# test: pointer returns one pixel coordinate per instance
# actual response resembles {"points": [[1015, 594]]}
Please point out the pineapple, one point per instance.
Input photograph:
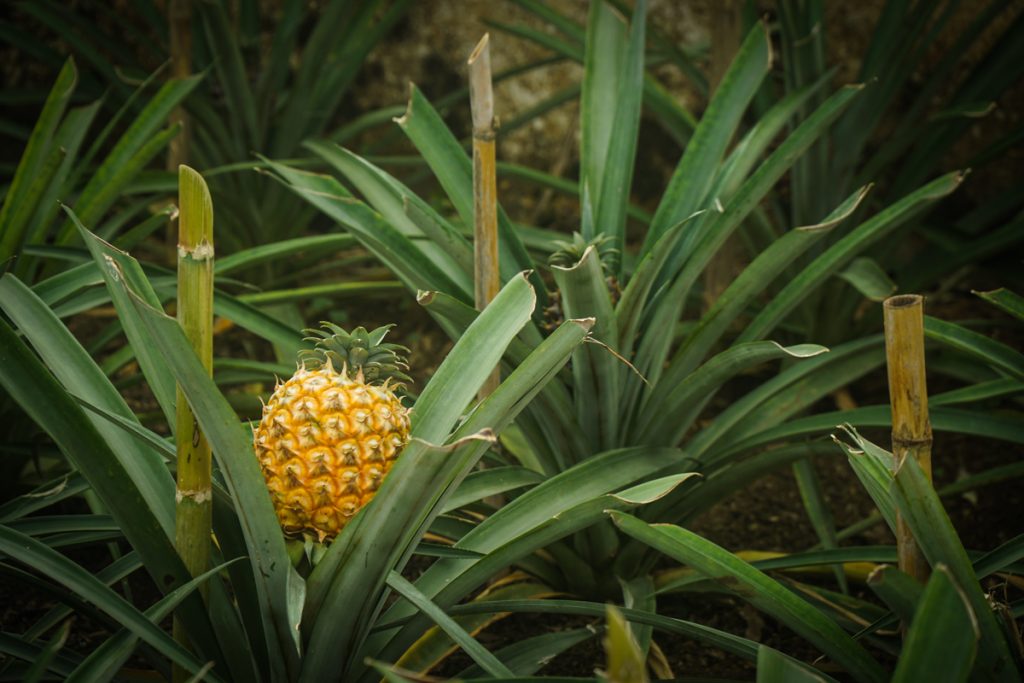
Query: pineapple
{"points": [[330, 434]]}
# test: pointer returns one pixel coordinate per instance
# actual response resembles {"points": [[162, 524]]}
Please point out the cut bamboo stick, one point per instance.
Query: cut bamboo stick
{"points": [[179, 15], [726, 36], [486, 277], [179, 21], [194, 499], [908, 396]]}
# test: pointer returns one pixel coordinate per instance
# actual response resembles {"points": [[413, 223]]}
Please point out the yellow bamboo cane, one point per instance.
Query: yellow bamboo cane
{"points": [[908, 396], [485, 188]]}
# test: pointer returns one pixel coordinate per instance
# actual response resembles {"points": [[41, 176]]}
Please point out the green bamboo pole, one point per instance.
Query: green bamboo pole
{"points": [[486, 277], [194, 495], [908, 395]]}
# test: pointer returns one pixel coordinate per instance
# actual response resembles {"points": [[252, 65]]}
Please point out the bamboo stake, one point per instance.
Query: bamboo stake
{"points": [[194, 499], [908, 395], [485, 189], [179, 21], [726, 36]]}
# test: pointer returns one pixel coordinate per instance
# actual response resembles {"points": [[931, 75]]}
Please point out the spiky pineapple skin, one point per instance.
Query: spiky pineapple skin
{"points": [[325, 443]]}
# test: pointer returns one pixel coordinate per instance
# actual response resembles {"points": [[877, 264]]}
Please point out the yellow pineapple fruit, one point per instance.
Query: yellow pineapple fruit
{"points": [[330, 433]]}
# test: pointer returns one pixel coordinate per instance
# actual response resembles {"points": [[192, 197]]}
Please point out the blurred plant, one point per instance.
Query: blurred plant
{"points": [[914, 117], [264, 90], [104, 173], [907, 127], [57, 166], [272, 75], [629, 406]]}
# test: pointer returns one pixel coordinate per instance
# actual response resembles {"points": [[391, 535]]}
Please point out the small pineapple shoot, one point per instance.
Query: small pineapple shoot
{"points": [[568, 254]]}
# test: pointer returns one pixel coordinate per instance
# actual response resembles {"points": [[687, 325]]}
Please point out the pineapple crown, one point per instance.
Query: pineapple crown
{"points": [[570, 252], [358, 352]]}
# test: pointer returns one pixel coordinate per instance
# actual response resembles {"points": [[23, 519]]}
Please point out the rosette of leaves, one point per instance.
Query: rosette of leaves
{"points": [[955, 629], [649, 380], [261, 620]]}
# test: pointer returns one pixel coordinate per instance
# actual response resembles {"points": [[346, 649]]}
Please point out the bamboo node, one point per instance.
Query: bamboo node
{"points": [[201, 252], [901, 442], [195, 495]]}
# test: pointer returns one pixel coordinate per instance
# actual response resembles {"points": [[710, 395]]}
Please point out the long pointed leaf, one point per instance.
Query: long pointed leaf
{"points": [[843, 251], [694, 176], [15, 213], [103, 663], [596, 371], [81, 376], [920, 506], [66, 572], [674, 406], [942, 640], [612, 95], [136, 147], [491, 664], [453, 169], [990, 351], [388, 196], [758, 589], [232, 446], [157, 375], [395, 250]]}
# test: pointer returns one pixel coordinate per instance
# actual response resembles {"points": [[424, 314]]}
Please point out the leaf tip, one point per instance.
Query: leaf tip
{"points": [[403, 120], [585, 323]]}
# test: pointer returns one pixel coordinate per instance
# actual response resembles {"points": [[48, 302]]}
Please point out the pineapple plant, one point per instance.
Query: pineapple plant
{"points": [[636, 403], [330, 434], [315, 621]]}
